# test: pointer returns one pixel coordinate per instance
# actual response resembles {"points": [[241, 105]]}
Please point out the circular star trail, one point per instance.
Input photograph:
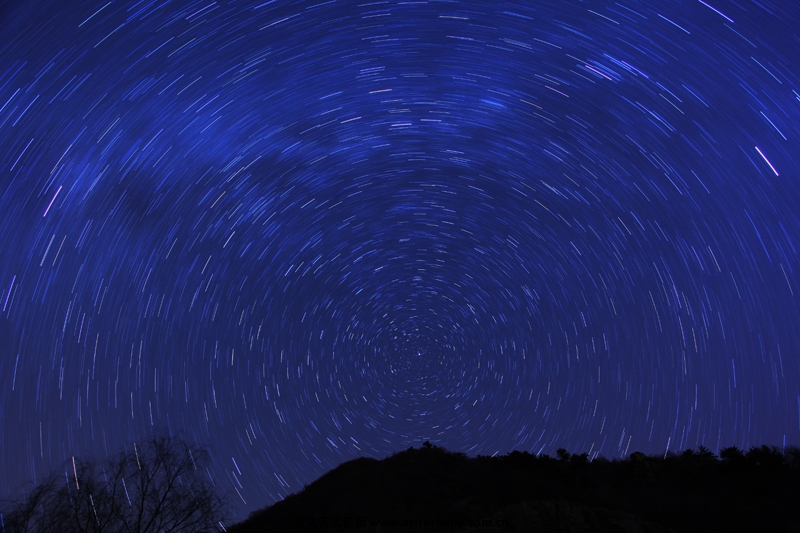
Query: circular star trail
{"points": [[301, 232]]}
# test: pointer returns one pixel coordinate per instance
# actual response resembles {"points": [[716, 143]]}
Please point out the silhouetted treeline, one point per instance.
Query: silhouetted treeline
{"points": [[432, 489]]}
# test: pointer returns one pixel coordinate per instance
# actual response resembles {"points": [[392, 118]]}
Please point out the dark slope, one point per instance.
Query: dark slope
{"points": [[431, 489]]}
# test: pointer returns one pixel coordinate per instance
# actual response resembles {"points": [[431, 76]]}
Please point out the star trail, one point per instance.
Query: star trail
{"points": [[301, 232]]}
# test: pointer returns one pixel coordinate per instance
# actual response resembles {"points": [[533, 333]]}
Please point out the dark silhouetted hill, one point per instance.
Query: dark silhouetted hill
{"points": [[432, 489]]}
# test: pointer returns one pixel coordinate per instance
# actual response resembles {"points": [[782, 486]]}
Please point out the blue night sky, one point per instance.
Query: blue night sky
{"points": [[301, 232]]}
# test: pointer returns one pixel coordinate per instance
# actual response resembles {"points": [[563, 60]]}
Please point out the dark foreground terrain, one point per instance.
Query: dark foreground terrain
{"points": [[432, 489]]}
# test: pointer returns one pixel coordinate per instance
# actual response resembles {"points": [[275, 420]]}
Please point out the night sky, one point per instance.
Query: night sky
{"points": [[298, 232]]}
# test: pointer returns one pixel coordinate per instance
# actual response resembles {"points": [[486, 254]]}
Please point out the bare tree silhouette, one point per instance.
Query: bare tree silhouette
{"points": [[159, 487]]}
